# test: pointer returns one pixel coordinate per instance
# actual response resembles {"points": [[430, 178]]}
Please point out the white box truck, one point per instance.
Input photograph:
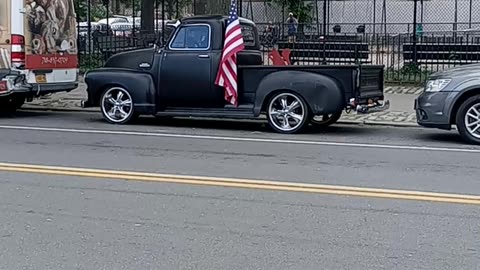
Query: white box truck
{"points": [[38, 50]]}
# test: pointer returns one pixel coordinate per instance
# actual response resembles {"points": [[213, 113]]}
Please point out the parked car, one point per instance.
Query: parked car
{"points": [[113, 20], [124, 29], [178, 80], [129, 19], [452, 97], [100, 29]]}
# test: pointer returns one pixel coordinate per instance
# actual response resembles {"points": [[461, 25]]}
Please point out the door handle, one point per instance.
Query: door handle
{"points": [[203, 56]]}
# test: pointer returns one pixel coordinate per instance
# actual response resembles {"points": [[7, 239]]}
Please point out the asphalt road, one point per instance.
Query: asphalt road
{"points": [[71, 222]]}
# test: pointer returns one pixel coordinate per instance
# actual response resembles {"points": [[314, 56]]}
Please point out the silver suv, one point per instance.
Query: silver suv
{"points": [[452, 97]]}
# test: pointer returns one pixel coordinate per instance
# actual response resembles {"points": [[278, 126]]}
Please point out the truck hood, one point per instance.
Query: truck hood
{"points": [[460, 71], [132, 59]]}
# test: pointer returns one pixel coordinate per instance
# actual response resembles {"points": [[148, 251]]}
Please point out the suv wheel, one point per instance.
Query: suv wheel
{"points": [[468, 120]]}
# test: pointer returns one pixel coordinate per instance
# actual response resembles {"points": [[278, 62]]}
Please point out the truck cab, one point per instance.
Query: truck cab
{"points": [[38, 49], [196, 48]]}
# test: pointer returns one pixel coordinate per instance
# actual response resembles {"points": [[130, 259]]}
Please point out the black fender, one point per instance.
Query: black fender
{"points": [[139, 84], [323, 94]]}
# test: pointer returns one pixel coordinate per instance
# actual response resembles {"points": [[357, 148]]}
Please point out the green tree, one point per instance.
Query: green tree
{"points": [[304, 12]]}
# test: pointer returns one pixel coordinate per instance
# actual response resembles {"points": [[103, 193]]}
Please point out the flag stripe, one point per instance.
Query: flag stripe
{"points": [[227, 76]]}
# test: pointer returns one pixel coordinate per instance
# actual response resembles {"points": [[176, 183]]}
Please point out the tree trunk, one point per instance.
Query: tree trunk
{"points": [[200, 7], [148, 11]]}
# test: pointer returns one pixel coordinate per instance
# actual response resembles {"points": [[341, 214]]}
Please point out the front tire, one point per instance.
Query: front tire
{"points": [[116, 105], [287, 112], [468, 120]]}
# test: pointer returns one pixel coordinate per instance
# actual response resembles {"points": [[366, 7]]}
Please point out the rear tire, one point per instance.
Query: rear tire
{"points": [[287, 112], [326, 120], [468, 120], [11, 104], [117, 107]]}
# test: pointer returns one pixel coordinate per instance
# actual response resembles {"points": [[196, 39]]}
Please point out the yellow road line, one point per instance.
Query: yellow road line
{"points": [[244, 183]]}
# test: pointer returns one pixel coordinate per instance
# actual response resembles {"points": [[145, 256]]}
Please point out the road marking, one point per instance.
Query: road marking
{"points": [[244, 183], [237, 139]]}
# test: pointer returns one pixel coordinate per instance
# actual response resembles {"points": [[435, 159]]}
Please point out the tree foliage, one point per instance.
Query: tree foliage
{"points": [[98, 8], [304, 12]]}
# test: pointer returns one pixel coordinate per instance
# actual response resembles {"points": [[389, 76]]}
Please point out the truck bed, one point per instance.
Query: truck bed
{"points": [[360, 82]]}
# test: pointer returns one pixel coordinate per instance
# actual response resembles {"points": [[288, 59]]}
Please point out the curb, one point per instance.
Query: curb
{"points": [[391, 124], [57, 109], [345, 122], [379, 123]]}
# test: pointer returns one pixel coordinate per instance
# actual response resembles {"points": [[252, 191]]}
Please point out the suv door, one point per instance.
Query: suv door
{"points": [[185, 71]]}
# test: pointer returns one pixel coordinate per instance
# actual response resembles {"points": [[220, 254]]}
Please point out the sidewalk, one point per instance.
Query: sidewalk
{"points": [[400, 114]]}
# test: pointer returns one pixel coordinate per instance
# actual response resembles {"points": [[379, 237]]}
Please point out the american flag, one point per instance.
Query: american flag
{"points": [[233, 43]]}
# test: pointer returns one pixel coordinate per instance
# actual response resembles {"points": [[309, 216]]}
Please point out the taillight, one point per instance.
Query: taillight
{"points": [[18, 51]]}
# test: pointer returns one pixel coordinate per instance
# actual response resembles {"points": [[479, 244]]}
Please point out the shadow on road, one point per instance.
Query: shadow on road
{"points": [[338, 132], [26, 114], [447, 137], [241, 125]]}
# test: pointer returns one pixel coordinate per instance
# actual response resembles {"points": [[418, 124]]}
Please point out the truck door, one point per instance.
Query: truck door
{"points": [[185, 72]]}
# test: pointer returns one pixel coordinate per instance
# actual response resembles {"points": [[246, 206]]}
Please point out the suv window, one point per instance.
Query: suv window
{"points": [[192, 37]]}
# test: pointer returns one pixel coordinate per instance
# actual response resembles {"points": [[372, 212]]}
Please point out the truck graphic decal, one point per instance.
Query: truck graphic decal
{"points": [[51, 34], [4, 35]]}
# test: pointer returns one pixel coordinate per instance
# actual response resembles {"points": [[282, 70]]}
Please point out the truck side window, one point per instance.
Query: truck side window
{"points": [[194, 37]]}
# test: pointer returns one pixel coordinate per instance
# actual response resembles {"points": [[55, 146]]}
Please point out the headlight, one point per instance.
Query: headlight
{"points": [[436, 85]]}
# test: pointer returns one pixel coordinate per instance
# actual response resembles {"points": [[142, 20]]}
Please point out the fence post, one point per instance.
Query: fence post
{"points": [[240, 8], [90, 49], [470, 15], [324, 18], [414, 30], [374, 17]]}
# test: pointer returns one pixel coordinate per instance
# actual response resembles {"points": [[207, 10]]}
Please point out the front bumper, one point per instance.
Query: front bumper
{"points": [[89, 102], [430, 110]]}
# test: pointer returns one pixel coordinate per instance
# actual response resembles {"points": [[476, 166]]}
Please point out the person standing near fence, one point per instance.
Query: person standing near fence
{"points": [[292, 25]]}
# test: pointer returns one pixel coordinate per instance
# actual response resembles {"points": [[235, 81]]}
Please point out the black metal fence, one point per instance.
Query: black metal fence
{"points": [[411, 38]]}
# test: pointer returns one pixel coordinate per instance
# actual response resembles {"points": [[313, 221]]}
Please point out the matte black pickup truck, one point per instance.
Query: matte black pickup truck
{"points": [[178, 80]]}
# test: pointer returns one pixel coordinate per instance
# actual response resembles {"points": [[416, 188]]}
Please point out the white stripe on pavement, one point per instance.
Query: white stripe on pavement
{"points": [[236, 139]]}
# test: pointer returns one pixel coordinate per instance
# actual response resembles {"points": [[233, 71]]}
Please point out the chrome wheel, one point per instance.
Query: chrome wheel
{"points": [[472, 120], [287, 113], [117, 105]]}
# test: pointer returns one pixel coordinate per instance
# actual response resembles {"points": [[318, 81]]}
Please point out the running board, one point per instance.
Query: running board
{"points": [[240, 112]]}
